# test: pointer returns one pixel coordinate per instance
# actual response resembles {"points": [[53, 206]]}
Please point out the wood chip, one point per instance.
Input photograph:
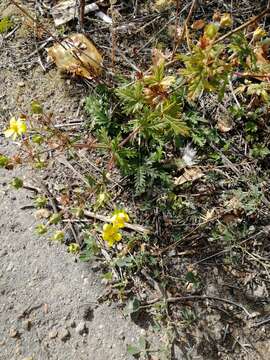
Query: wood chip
{"points": [[190, 174], [67, 10]]}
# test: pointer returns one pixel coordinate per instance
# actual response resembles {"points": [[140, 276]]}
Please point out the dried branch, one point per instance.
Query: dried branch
{"points": [[198, 298], [82, 13], [134, 227]]}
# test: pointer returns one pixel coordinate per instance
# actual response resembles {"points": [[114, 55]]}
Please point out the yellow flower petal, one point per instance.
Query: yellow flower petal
{"points": [[21, 126], [110, 234], [119, 219], [16, 127], [12, 122], [106, 227], [118, 237], [8, 132]]}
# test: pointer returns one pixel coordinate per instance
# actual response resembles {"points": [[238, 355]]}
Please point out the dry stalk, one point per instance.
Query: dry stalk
{"points": [[181, 37], [82, 13], [198, 298]]}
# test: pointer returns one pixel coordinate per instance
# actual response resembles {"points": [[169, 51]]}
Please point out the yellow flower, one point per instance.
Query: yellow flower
{"points": [[259, 33], [16, 128], [110, 234], [226, 20], [119, 219]]}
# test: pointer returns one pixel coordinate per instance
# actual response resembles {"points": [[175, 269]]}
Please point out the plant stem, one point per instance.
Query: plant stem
{"points": [[184, 28], [243, 26], [82, 13]]}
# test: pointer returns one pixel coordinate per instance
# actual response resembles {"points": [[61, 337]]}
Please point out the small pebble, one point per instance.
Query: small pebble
{"points": [[21, 84], [13, 332], [122, 335], [27, 324], [64, 334], [53, 334], [10, 267], [70, 323], [81, 328]]}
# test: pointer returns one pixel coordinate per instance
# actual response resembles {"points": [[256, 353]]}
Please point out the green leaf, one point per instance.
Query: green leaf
{"points": [[108, 276], [4, 160], [98, 109], [37, 139], [125, 261], [260, 151], [132, 97], [40, 202], [17, 183], [133, 350], [41, 229], [5, 25], [92, 248], [55, 219], [132, 306], [36, 107]]}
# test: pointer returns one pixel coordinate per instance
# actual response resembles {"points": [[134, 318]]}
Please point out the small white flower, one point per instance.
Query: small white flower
{"points": [[189, 155]]}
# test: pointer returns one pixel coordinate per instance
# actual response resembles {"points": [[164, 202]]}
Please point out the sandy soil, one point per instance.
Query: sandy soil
{"points": [[47, 299]]}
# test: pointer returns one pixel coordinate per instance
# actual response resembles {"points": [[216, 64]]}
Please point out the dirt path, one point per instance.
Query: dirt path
{"points": [[47, 300]]}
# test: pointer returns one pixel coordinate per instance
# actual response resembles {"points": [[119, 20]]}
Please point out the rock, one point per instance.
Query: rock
{"points": [[53, 334], [13, 332], [10, 267], [3, 253], [122, 335], [27, 324], [81, 328], [260, 291], [21, 84], [64, 334], [70, 323]]}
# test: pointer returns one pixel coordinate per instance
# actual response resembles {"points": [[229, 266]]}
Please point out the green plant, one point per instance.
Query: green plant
{"points": [[91, 250], [17, 183], [6, 24], [206, 69], [97, 107], [4, 161]]}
